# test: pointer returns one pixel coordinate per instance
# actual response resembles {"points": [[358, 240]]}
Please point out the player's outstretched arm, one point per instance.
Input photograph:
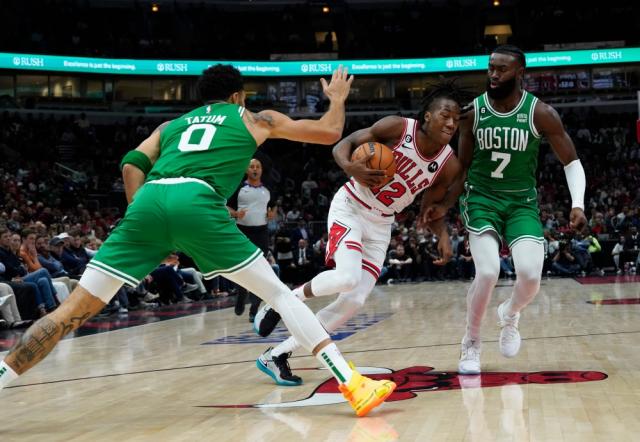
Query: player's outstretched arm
{"points": [[387, 131], [548, 123], [326, 130], [137, 163]]}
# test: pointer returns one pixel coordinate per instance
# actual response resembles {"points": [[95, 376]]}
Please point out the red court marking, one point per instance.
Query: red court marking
{"points": [[623, 301], [613, 279]]}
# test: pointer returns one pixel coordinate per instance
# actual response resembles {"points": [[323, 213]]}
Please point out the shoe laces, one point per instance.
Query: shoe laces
{"points": [[510, 322], [471, 351], [509, 327], [282, 362], [509, 332]]}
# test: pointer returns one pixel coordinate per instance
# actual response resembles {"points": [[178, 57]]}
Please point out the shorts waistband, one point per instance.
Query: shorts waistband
{"points": [[355, 197]]}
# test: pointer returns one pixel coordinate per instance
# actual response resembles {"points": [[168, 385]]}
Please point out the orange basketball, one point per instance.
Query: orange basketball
{"points": [[382, 158]]}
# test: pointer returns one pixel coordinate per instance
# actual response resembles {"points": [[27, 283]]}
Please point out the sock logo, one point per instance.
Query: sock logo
{"points": [[333, 367], [413, 380], [3, 370]]}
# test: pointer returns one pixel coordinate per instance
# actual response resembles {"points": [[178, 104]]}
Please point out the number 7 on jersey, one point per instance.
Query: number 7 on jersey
{"points": [[504, 159]]}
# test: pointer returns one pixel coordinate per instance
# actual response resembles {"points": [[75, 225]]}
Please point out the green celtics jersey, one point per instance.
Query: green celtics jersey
{"points": [[210, 143], [505, 153]]}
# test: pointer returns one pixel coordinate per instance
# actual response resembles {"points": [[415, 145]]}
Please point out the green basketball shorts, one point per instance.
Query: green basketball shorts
{"points": [[183, 214], [514, 216]]}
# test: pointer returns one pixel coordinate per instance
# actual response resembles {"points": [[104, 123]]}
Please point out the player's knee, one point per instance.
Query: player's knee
{"points": [[347, 281], [488, 273], [529, 275], [358, 301]]}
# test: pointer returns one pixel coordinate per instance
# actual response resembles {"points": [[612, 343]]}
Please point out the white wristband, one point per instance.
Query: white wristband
{"points": [[577, 182]]}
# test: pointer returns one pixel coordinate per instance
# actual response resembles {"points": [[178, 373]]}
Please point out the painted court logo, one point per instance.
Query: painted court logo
{"points": [[413, 380]]}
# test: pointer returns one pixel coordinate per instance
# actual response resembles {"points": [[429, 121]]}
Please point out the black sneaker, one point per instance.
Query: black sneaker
{"points": [[278, 368], [265, 321], [241, 300]]}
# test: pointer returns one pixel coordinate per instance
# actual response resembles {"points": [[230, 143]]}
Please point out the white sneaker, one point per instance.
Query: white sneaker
{"points": [[469, 356], [188, 288], [509, 335], [5, 298], [150, 297]]}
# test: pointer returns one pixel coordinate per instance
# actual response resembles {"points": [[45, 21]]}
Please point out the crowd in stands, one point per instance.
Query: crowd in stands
{"points": [[228, 31], [52, 220]]}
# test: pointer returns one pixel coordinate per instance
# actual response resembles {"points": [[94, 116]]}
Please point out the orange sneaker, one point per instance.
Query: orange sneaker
{"points": [[365, 394]]}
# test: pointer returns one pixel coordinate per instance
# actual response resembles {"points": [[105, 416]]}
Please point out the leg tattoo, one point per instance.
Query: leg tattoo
{"points": [[33, 344], [40, 339]]}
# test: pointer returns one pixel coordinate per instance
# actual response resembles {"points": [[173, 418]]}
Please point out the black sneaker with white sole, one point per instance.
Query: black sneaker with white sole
{"points": [[278, 368], [266, 321]]}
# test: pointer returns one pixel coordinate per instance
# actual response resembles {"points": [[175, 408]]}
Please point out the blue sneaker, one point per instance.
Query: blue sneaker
{"points": [[278, 368]]}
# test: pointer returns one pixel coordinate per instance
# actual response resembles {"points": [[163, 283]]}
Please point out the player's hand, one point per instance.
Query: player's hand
{"points": [[444, 249], [361, 173], [577, 220], [338, 88], [430, 214], [241, 213]]}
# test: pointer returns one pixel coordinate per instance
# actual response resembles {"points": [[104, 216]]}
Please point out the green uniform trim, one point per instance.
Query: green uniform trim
{"points": [[246, 263], [97, 265]]}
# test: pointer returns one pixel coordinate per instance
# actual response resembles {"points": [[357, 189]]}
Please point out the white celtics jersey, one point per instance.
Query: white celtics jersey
{"points": [[414, 173]]}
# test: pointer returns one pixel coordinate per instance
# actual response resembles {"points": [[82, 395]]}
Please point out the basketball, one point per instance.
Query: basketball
{"points": [[382, 158]]}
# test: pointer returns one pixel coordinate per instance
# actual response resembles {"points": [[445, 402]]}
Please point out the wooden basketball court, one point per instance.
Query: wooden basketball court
{"points": [[575, 379]]}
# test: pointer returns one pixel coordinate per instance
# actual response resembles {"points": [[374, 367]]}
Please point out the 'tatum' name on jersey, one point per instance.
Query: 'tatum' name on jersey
{"points": [[506, 138], [213, 119]]}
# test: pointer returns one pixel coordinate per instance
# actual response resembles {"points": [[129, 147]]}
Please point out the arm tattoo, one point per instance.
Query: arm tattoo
{"points": [[256, 118]]}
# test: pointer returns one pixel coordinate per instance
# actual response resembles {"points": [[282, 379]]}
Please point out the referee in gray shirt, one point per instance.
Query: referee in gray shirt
{"points": [[252, 214]]}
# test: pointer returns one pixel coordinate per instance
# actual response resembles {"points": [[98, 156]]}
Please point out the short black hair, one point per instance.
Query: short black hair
{"points": [[514, 51], [219, 82], [448, 89]]}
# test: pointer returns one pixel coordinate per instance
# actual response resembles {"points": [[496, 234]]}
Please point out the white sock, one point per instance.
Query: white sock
{"points": [[287, 346], [7, 375], [331, 358]]}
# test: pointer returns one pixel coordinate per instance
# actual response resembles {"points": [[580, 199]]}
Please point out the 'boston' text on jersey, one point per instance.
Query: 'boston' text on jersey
{"points": [[507, 138]]}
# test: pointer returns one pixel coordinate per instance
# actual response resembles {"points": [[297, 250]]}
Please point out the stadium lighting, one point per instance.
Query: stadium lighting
{"points": [[155, 7], [496, 3], [326, 9]]}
